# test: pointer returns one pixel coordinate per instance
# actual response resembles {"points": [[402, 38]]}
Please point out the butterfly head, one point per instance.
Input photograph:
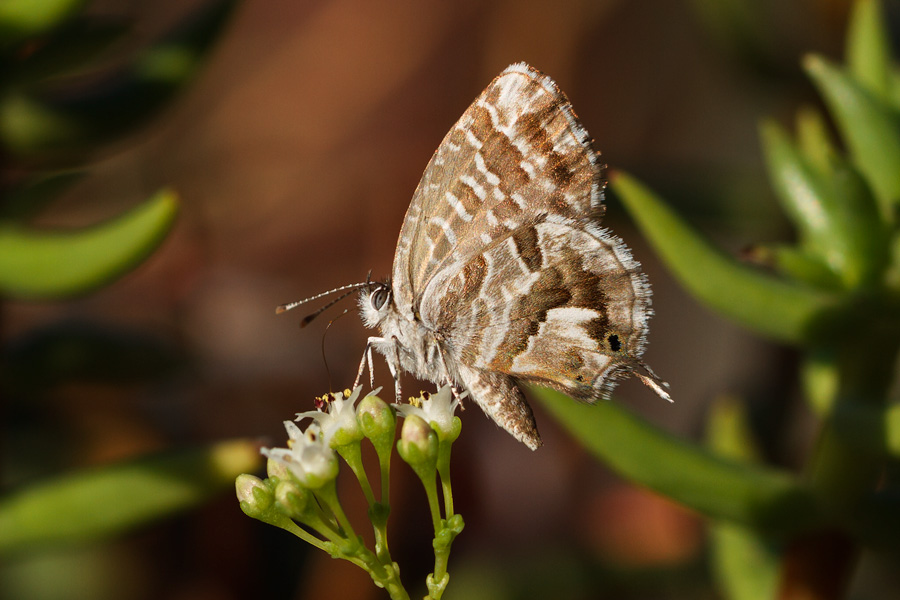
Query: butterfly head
{"points": [[376, 302]]}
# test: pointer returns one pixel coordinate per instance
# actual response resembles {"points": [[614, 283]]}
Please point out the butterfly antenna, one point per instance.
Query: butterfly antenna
{"points": [[353, 286], [653, 381], [308, 318], [324, 359]]}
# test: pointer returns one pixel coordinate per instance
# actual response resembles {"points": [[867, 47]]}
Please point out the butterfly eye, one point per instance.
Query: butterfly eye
{"points": [[379, 297]]}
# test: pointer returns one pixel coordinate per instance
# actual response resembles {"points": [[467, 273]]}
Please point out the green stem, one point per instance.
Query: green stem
{"points": [[443, 468], [379, 511], [378, 514], [352, 455], [430, 486], [384, 464], [328, 495], [386, 575], [443, 539]]}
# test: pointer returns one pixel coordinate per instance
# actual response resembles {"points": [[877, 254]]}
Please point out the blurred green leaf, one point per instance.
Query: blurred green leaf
{"points": [[111, 500], [55, 122], [814, 140], [832, 208], [856, 423], [868, 51], [53, 264], [715, 487], [802, 195], [21, 19], [31, 196], [797, 264], [728, 431], [745, 565], [870, 128], [782, 310], [821, 381]]}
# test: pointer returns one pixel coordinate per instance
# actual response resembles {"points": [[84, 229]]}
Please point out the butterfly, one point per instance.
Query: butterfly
{"points": [[502, 272]]}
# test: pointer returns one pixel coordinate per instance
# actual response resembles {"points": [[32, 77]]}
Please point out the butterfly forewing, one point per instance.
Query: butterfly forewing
{"points": [[516, 153]]}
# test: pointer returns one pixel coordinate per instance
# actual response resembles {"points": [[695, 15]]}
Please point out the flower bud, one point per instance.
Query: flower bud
{"points": [[418, 444], [254, 495], [377, 421], [291, 499], [277, 469]]}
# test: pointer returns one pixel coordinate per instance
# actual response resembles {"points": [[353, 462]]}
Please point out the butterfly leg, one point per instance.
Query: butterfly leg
{"points": [[391, 351], [392, 367], [367, 359], [455, 388]]}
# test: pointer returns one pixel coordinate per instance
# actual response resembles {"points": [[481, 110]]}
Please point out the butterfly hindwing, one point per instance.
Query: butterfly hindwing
{"points": [[555, 302]]}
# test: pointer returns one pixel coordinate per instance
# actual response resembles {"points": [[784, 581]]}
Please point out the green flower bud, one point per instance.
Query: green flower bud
{"points": [[418, 444], [291, 499], [254, 495], [377, 421], [277, 469]]}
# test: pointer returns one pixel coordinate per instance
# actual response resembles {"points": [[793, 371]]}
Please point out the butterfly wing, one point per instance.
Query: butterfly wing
{"points": [[518, 151], [556, 302], [501, 258]]}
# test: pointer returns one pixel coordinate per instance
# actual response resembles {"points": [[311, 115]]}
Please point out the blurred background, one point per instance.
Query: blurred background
{"points": [[295, 153]]}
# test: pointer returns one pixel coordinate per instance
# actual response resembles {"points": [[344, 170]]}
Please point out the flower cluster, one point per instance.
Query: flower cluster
{"points": [[300, 493]]}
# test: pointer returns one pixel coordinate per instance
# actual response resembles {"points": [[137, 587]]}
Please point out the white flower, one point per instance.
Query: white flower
{"points": [[307, 457], [338, 421], [436, 410]]}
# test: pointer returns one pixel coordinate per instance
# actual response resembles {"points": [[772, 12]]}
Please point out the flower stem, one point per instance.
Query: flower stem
{"points": [[443, 468], [352, 455], [328, 495]]}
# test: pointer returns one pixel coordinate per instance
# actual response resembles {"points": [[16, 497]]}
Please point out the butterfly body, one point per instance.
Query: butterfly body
{"points": [[502, 273]]}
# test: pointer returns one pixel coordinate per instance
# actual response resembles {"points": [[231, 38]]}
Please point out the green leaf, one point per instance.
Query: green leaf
{"points": [[872, 429], [814, 140], [868, 51], [21, 19], [833, 209], [111, 500], [744, 564], [820, 376], [53, 264], [713, 486], [797, 264], [803, 195], [782, 310], [870, 128]]}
